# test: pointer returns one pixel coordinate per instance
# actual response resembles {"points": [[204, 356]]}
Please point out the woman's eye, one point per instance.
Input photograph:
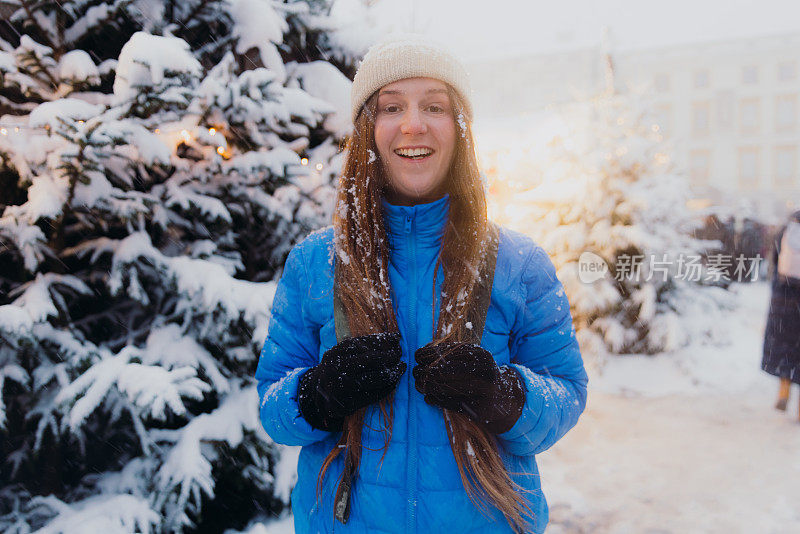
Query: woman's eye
{"points": [[391, 108], [436, 108]]}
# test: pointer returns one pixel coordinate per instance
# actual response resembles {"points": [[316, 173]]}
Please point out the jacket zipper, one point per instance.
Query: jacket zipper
{"points": [[412, 415]]}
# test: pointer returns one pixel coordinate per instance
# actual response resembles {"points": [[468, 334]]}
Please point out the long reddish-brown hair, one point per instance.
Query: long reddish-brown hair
{"points": [[363, 286]]}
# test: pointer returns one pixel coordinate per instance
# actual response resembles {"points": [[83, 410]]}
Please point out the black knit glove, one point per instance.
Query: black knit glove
{"points": [[464, 377], [352, 374]]}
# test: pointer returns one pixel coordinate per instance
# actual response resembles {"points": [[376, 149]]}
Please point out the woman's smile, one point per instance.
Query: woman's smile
{"points": [[415, 153]]}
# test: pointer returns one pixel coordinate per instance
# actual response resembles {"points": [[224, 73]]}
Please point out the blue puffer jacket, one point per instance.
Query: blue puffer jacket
{"points": [[418, 488]]}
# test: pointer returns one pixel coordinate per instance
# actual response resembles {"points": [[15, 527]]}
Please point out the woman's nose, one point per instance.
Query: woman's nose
{"points": [[413, 122]]}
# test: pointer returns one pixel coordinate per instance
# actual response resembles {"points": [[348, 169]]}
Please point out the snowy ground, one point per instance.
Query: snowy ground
{"points": [[680, 443], [704, 451]]}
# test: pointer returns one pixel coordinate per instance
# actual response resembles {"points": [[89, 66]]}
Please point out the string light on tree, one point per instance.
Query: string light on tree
{"points": [[182, 134]]}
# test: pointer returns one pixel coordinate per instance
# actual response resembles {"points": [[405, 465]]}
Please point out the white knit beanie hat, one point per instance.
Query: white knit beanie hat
{"points": [[408, 55]]}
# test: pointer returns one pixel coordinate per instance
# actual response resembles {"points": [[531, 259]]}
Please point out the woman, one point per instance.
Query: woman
{"points": [[781, 340], [427, 418]]}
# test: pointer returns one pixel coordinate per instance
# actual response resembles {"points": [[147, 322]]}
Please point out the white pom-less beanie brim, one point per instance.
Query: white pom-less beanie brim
{"points": [[408, 55]]}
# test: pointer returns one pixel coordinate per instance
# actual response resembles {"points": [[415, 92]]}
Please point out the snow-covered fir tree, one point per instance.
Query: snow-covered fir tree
{"points": [[601, 182], [157, 162]]}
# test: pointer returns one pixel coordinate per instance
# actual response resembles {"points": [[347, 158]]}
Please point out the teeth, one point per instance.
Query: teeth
{"points": [[414, 152]]}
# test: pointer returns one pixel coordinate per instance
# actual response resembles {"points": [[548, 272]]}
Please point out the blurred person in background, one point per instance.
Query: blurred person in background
{"points": [[782, 335]]}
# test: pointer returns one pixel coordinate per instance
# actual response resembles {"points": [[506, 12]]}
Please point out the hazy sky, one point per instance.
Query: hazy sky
{"points": [[490, 28]]}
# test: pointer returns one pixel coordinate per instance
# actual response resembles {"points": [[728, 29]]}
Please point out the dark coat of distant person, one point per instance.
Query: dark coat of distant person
{"points": [[782, 335]]}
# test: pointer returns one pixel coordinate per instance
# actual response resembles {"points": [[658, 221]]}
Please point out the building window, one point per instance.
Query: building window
{"points": [[725, 108], [749, 115], [785, 112], [749, 74], [787, 71], [701, 79], [701, 111], [786, 166], [699, 164], [663, 116], [661, 83], [748, 167]]}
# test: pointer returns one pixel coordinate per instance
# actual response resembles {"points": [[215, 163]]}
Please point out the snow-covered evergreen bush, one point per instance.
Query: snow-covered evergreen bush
{"points": [[602, 183], [157, 162]]}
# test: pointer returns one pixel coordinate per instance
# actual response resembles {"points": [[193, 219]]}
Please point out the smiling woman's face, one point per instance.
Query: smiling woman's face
{"points": [[415, 133]]}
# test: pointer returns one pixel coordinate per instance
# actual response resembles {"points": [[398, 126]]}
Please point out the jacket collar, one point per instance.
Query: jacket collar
{"points": [[425, 223]]}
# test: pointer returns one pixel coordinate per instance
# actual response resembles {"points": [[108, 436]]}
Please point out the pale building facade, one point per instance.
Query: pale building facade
{"points": [[731, 109]]}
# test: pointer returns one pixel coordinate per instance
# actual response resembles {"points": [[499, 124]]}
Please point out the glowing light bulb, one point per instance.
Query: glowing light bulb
{"points": [[319, 166], [220, 150], [304, 161], [158, 130], [185, 135], [212, 131], [3, 131]]}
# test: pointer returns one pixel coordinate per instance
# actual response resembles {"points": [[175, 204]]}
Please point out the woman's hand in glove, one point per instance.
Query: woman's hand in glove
{"points": [[464, 377], [354, 373]]}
